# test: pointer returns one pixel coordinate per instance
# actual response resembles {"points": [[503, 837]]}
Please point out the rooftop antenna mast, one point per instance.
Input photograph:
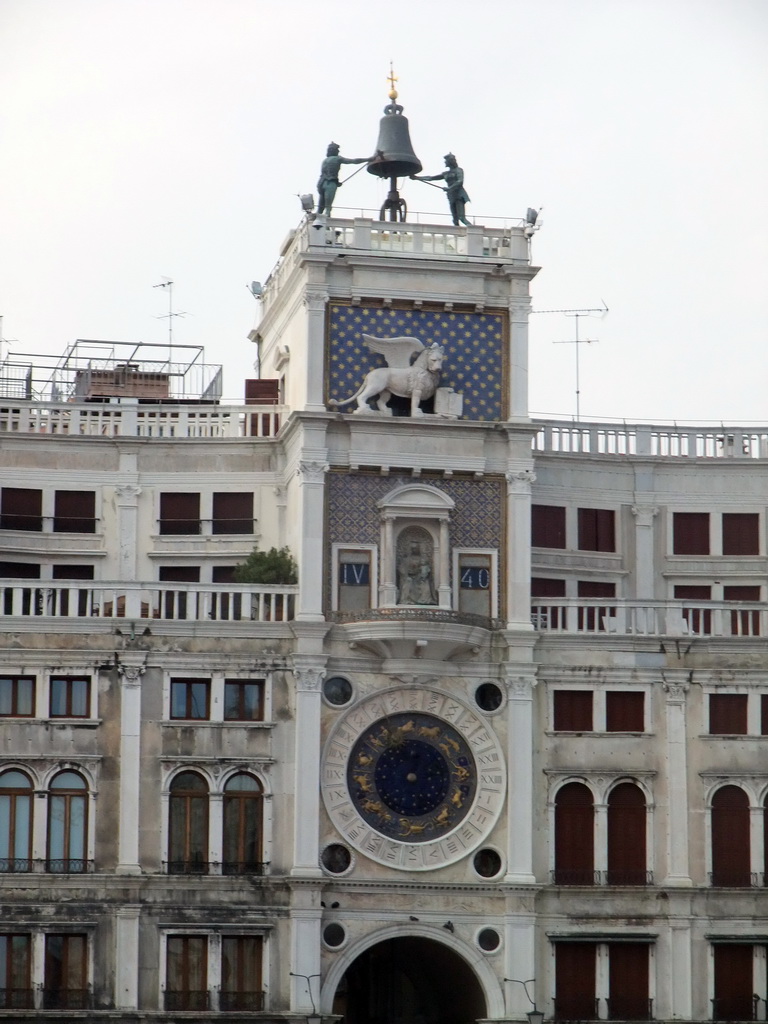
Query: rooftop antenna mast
{"points": [[577, 314], [167, 283]]}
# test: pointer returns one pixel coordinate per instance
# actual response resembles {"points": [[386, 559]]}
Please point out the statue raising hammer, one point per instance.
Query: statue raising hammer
{"points": [[329, 176], [453, 177]]}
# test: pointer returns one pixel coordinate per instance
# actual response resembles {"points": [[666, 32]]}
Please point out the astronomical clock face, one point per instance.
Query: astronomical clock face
{"points": [[413, 779]]}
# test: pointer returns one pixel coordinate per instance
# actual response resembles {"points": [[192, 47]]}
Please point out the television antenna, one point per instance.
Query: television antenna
{"points": [[167, 283], [576, 341]]}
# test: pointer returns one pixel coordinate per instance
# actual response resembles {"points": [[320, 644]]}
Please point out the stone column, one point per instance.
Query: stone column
{"points": [[518, 569], [311, 502], [315, 303], [444, 569], [215, 832], [601, 838], [676, 686], [306, 915], [757, 817], [308, 671], [131, 668], [520, 769], [644, 560], [679, 971], [520, 952], [519, 311], [127, 957], [387, 582]]}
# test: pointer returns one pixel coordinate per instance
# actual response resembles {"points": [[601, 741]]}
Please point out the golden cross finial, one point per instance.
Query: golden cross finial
{"points": [[391, 78]]}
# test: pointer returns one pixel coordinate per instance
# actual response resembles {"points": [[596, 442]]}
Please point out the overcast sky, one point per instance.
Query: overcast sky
{"points": [[152, 139]]}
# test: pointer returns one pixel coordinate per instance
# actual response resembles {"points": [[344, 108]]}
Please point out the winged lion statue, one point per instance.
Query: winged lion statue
{"points": [[416, 380]]}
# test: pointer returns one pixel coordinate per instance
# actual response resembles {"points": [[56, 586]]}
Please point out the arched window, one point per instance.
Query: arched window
{"points": [[242, 845], [67, 823], [188, 825], [626, 835], [574, 835], [15, 822], [730, 837]]}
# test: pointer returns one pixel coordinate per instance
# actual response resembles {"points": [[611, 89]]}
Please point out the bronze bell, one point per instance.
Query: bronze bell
{"points": [[395, 155]]}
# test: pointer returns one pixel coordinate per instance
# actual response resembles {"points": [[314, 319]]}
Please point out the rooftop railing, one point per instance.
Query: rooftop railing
{"points": [[657, 440], [198, 602], [125, 419]]}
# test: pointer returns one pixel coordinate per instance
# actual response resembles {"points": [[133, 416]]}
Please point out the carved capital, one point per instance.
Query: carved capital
{"points": [[127, 494], [520, 686], [645, 514], [315, 300], [309, 672], [312, 472], [676, 686], [131, 671], [519, 481]]}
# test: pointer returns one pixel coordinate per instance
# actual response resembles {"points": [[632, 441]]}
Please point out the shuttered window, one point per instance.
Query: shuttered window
{"points": [[572, 710], [575, 964], [574, 835], [744, 621], [595, 618], [74, 512], [542, 587], [548, 526], [690, 533], [232, 512], [734, 982], [626, 835], [728, 714], [597, 530], [741, 533], [22, 509], [179, 513], [624, 711], [730, 837], [628, 981], [699, 619], [764, 719]]}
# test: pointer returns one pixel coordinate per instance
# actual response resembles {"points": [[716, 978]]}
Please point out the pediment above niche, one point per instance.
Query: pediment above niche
{"points": [[416, 501]]}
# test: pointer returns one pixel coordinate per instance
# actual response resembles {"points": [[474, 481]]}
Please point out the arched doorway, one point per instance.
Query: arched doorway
{"points": [[409, 981]]}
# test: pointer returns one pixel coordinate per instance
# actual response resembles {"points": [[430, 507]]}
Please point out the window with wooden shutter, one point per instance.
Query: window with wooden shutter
{"points": [[597, 529], [548, 526], [728, 714], [734, 982], [624, 711], [66, 963], [741, 533], [74, 512], [575, 971], [232, 512], [595, 618], [690, 532], [572, 710], [574, 835], [764, 721], [22, 509], [628, 978], [699, 620], [546, 616], [730, 837], [179, 513], [626, 835]]}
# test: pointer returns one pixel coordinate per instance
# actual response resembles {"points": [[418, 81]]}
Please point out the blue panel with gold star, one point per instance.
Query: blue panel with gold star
{"points": [[475, 351]]}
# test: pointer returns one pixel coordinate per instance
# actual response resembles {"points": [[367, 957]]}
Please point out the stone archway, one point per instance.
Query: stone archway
{"points": [[409, 980]]}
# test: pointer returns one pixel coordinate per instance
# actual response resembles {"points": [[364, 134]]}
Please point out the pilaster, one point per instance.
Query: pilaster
{"points": [[127, 957], [311, 498], [518, 575], [520, 767], [131, 668], [308, 672], [644, 560], [519, 311], [676, 686], [127, 499], [315, 301]]}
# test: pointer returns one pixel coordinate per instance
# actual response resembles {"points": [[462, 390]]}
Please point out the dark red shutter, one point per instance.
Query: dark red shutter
{"points": [[262, 392], [548, 526], [233, 512], [573, 710], [728, 714], [22, 509], [575, 981], [741, 533], [764, 724], [179, 513], [730, 837], [179, 573], [734, 983], [597, 530], [699, 620], [626, 835], [74, 512], [19, 571], [574, 835], [624, 711], [628, 981], [691, 533], [592, 618], [542, 587]]}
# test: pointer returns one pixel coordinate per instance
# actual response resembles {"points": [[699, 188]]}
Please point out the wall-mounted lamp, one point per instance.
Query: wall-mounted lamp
{"points": [[314, 1017], [534, 1016]]}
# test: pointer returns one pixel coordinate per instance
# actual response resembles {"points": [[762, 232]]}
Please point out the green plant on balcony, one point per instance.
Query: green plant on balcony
{"points": [[274, 568]]}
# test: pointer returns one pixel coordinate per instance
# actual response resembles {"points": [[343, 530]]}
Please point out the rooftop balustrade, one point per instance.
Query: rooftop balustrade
{"points": [[715, 441], [650, 618]]}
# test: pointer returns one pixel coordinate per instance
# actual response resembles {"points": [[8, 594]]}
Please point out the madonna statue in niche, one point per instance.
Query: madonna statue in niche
{"points": [[415, 577]]}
